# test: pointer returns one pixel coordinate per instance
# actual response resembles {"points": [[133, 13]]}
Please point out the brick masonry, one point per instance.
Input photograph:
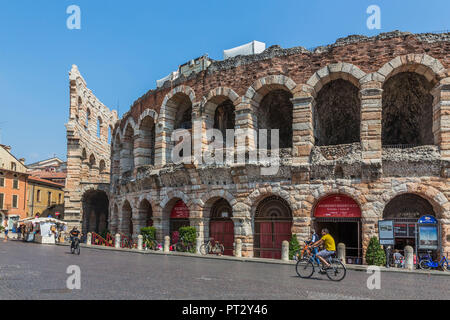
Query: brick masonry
{"points": [[371, 175]]}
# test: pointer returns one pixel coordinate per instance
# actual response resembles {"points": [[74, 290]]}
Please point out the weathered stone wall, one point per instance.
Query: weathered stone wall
{"points": [[362, 169], [88, 155]]}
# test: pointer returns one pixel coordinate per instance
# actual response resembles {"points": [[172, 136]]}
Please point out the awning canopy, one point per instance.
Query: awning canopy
{"points": [[40, 220]]}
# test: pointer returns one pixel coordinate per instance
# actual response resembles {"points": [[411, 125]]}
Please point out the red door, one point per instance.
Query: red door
{"points": [[272, 235], [223, 231], [265, 240]]}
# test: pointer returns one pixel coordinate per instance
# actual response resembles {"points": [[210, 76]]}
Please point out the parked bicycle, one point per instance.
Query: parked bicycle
{"points": [[151, 244], [307, 266], [212, 247], [426, 262]]}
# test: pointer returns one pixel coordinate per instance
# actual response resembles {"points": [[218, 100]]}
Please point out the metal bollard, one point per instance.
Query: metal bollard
{"points": [[409, 258], [285, 251], [341, 252], [140, 242], [117, 244], [238, 248], [198, 244], [166, 244]]}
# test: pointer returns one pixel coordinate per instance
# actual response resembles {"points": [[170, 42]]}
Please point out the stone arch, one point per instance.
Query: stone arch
{"points": [[209, 197], [340, 70], [129, 123], [126, 216], [145, 141], [147, 112], [256, 196], [144, 215], [262, 86], [407, 103], [127, 150], [166, 124], [95, 209], [437, 199], [214, 99], [174, 194], [423, 64], [271, 107]]}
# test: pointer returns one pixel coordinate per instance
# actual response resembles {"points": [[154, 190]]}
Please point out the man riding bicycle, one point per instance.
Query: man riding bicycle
{"points": [[329, 248], [74, 234]]}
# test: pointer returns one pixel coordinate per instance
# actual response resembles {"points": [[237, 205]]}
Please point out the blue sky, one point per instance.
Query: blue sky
{"points": [[124, 46]]}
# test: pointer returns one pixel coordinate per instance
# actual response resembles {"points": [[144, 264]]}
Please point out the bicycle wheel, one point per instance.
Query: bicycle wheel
{"points": [[72, 250], [304, 268], [204, 249], [220, 249], [424, 264], [77, 250], [179, 247], [337, 271]]}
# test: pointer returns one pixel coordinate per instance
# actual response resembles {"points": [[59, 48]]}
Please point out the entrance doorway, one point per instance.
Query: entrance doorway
{"points": [[273, 224], [221, 227], [179, 217], [344, 231], [95, 212], [341, 215], [405, 211]]}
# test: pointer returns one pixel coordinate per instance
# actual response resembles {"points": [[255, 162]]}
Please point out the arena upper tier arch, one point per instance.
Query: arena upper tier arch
{"points": [[341, 112]]}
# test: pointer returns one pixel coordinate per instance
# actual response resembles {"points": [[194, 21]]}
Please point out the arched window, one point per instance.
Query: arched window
{"points": [[99, 127], [88, 118]]}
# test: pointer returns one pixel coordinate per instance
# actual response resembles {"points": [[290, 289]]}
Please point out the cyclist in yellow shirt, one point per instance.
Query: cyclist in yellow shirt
{"points": [[329, 247]]}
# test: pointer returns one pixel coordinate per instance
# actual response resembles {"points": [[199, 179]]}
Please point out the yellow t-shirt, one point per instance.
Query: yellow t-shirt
{"points": [[329, 242]]}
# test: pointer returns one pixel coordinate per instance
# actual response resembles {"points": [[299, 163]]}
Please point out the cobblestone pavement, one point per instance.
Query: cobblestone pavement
{"points": [[33, 271]]}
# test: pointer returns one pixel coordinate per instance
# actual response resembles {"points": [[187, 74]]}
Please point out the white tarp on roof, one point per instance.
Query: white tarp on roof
{"points": [[172, 76], [253, 47]]}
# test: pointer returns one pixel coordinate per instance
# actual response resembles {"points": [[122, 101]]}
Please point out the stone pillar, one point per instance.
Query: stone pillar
{"points": [[341, 252], [246, 118], [409, 258], [243, 230], [238, 248], [368, 230], [371, 117], [445, 240], [117, 241], [166, 244], [199, 224], [198, 244], [302, 128], [89, 239], [285, 251], [441, 117], [140, 242]]}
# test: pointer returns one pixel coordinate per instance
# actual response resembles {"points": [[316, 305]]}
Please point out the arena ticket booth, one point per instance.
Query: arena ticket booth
{"points": [[221, 227], [179, 217], [341, 215]]}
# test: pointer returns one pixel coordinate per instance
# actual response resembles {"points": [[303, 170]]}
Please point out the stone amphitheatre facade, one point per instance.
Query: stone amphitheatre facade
{"points": [[364, 131]]}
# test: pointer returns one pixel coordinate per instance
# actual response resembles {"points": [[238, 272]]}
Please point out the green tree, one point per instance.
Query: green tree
{"points": [[294, 246], [375, 254]]}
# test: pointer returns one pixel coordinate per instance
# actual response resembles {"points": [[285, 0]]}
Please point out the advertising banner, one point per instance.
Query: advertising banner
{"points": [[386, 232], [428, 237]]}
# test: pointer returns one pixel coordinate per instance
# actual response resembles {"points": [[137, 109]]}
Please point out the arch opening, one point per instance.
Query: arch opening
{"points": [[275, 112], [95, 206], [337, 114], [221, 226], [407, 110]]}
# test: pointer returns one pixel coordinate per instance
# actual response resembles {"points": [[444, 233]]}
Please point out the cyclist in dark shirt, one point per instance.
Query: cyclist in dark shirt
{"points": [[74, 233]]}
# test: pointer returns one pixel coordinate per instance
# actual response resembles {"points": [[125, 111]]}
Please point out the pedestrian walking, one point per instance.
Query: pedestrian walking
{"points": [[6, 226]]}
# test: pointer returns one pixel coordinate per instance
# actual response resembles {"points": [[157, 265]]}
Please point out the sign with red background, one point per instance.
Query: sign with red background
{"points": [[337, 206], [180, 211]]}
